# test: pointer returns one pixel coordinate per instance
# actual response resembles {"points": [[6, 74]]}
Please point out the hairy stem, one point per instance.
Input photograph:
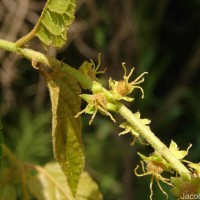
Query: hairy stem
{"points": [[51, 62], [155, 142]]}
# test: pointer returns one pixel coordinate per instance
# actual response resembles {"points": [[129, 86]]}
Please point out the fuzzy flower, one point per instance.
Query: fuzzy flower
{"points": [[96, 102], [123, 87], [155, 166], [90, 69]]}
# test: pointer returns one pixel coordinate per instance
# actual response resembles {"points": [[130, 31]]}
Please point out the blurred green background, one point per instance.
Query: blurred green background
{"points": [[160, 36]]}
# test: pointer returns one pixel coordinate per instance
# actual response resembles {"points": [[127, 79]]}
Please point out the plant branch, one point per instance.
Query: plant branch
{"points": [[155, 142], [87, 82], [51, 62]]}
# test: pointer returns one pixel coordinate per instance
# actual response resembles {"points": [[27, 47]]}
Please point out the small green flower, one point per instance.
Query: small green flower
{"points": [[108, 100], [122, 88], [196, 168], [89, 69], [156, 158], [96, 102], [155, 166], [97, 88], [179, 154], [128, 128]]}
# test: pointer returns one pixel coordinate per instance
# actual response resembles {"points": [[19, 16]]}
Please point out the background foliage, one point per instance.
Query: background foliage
{"points": [[161, 37]]}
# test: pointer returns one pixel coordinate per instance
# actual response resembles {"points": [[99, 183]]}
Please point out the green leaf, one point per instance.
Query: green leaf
{"points": [[53, 23], [66, 130], [56, 18], [51, 184]]}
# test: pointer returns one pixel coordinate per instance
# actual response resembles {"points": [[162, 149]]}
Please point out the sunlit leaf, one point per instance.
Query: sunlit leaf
{"points": [[51, 184], [56, 18], [53, 23], [88, 189], [66, 130]]}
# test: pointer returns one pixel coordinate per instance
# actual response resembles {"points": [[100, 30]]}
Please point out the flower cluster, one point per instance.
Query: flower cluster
{"points": [[90, 69], [123, 87], [107, 100]]}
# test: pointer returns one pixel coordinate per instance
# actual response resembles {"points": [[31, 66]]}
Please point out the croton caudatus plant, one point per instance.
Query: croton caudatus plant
{"points": [[165, 165]]}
